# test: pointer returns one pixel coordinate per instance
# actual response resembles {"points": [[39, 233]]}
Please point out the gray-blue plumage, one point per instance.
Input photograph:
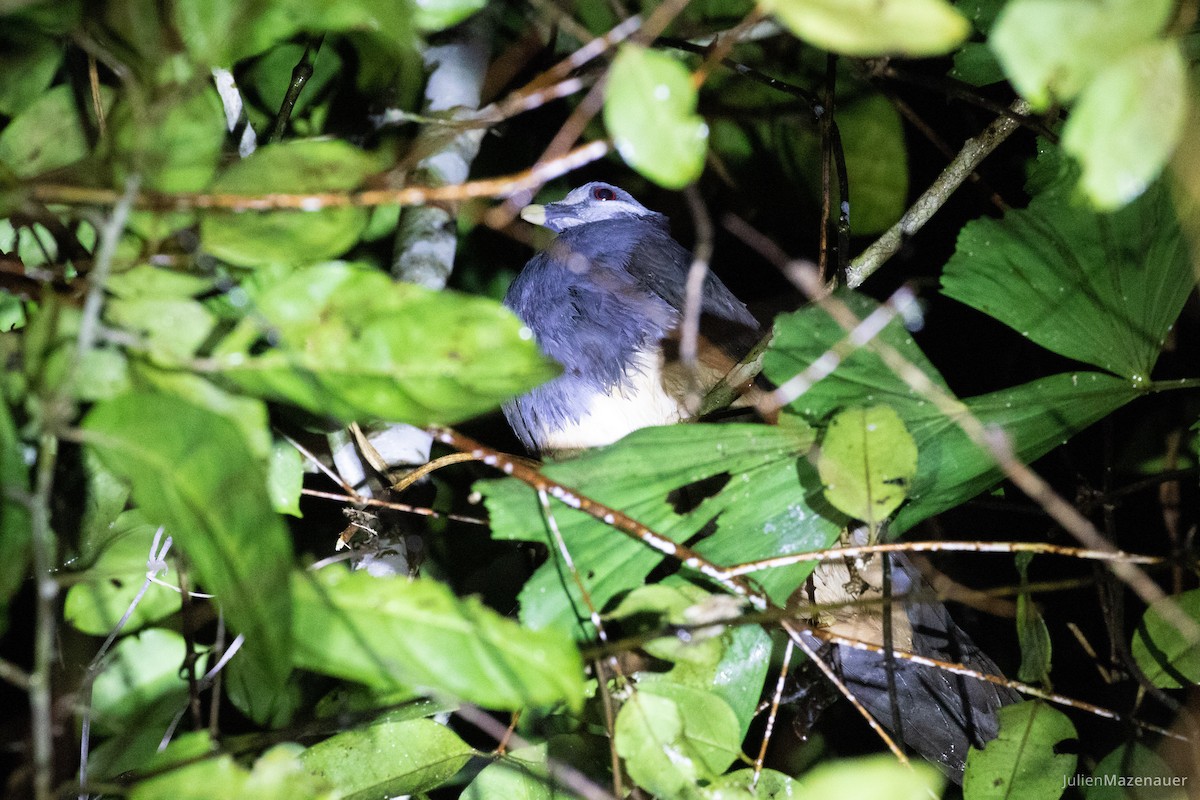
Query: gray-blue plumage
{"points": [[602, 300]]}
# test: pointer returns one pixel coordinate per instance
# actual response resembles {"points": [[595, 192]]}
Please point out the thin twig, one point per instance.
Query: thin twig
{"points": [[300, 76], [968, 159], [693, 304]]}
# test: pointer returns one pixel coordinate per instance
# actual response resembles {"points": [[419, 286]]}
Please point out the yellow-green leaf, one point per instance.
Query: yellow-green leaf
{"points": [[868, 461], [874, 27]]}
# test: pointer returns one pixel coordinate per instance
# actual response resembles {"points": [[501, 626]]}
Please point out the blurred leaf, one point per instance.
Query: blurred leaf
{"points": [[1127, 122], [437, 15], [867, 462], [141, 681], [878, 777], [144, 280], [97, 604], [29, 59], [171, 328], [191, 470], [740, 477], [351, 343], [285, 478], [289, 237], [873, 27], [711, 734], [252, 693], [1138, 762], [525, 773], [657, 751], [1051, 49], [182, 772], [103, 373], [1100, 288], [1037, 416], [271, 75], [1166, 655], [976, 64], [876, 160], [391, 633], [174, 144], [650, 110], [49, 134], [14, 517], [1032, 633], [387, 759], [1025, 760], [749, 784], [219, 33]]}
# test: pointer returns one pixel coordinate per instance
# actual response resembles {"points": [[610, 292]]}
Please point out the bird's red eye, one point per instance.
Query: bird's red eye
{"points": [[602, 193]]}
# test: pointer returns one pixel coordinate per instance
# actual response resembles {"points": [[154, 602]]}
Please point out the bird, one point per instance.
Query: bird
{"points": [[605, 300]]}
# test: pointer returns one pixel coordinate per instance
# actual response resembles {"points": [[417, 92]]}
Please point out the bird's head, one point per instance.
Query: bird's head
{"points": [[592, 202]]}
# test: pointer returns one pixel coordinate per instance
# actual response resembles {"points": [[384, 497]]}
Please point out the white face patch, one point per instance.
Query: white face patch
{"points": [[641, 403]]}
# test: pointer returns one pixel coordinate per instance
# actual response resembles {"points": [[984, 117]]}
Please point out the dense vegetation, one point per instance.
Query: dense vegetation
{"points": [[251, 256]]}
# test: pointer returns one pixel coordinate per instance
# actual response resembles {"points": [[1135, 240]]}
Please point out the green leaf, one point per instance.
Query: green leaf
{"points": [[191, 471], [141, 683], [173, 329], [391, 632], [1147, 773], [144, 280], [96, 605], [876, 159], [751, 472], [351, 343], [1127, 122], [873, 27], [1100, 288], [1024, 759], [1166, 655], [1032, 633], [658, 754], [29, 59], [285, 478], [14, 517], [191, 768], [437, 15], [219, 33], [711, 733], [650, 110], [867, 463], [49, 134], [174, 144], [1037, 416], [270, 704], [1051, 49], [289, 237], [387, 759], [878, 777], [526, 774], [749, 784]]}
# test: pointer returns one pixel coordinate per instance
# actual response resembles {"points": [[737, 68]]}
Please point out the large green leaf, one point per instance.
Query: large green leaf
{"points": [[760, 510], [1037, 416], [174, 144], [351, 343], [1100, 288], [289, 237], [191, 470], [388, 758], [650, 110], [874, 27], [1030, 758], [391, 632], [1132, 772], [867, 462], [1168, 656], [1051, 49]]}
